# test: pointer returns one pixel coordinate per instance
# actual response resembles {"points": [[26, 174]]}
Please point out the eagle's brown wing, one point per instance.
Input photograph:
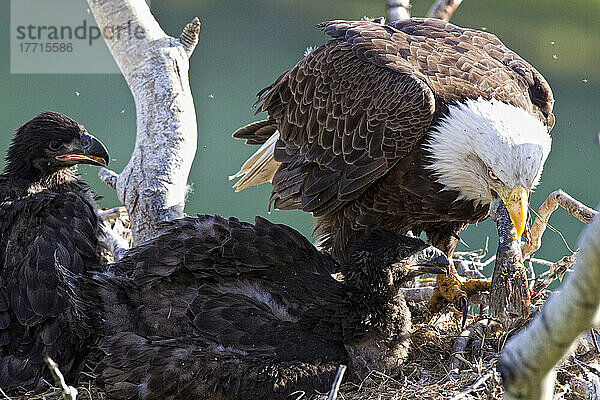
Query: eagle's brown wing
{"points": [[459, 63], [353, 107]]}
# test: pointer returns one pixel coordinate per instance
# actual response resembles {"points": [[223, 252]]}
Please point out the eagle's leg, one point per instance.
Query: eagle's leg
{"points": [[452, 288]]}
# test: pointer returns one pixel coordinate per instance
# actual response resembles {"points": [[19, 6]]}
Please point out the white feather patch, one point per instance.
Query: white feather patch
{"points": [[482, 134]]}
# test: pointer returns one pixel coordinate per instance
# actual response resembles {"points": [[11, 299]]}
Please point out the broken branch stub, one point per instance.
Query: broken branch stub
{"points": [[509, 292], [153, 185], [398, 10], [443, 9], [555, 199]]}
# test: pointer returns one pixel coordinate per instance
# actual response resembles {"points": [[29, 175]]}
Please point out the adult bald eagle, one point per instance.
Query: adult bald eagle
{"points": [[216, 308], [415, 125], [46, 213]]}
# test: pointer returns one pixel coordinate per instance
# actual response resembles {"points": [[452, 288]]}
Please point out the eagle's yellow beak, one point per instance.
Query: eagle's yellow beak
{"points": [[516, 204]]}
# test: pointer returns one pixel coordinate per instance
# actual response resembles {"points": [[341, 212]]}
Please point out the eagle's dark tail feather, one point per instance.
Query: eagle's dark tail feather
{"points": [[257, 132]]}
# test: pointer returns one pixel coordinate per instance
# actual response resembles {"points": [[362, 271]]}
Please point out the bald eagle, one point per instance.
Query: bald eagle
{"points": [[46, 214], [416, 125]]}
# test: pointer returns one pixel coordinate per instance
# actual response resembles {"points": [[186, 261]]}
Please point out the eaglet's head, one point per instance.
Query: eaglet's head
{"points": [[385, 258], [49, 143], [483, 149]]}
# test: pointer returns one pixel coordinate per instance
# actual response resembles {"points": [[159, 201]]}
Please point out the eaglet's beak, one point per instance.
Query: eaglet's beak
{"points": [[516, 204], [427, 261], [86, 150]]}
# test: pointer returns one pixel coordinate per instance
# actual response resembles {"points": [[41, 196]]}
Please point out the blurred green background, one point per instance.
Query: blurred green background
{"points": [[246, 44]]}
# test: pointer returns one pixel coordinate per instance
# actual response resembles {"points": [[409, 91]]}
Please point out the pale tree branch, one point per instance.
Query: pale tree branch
{"points": [[109, 177], [555, 199], [153, 185], [443, 9], [68, 392], [528, 359], [398, 9]]}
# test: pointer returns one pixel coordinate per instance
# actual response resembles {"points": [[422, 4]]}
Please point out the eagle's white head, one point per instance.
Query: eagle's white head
{"points": [[484, 148]]}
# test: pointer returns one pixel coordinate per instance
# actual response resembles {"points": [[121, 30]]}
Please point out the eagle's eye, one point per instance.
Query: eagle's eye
{"points": [[492, 175], [54, 145]]}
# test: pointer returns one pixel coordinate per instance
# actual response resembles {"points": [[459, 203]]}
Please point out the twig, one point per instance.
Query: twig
{"points": [[463, 268], [423, 294], [555, 199], [112, 213], [4, 394], [443, 9], [557, 270], [337, 382], [473, 387], [586, 389], [417, 295], [479, 328], [68, 392], [398, 10], [541, 262], [109, 177]]}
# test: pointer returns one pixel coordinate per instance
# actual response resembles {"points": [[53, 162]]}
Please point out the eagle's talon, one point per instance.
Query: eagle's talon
{"points": [[465, 311], [455, 290]]}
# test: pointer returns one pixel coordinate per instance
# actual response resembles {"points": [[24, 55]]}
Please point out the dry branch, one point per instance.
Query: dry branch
{"points": [[335, 387], [555, 199], [479, 330], [398, 9], [528, 359], [68, 392], [556, 271], [153, 185], [443, 9]]}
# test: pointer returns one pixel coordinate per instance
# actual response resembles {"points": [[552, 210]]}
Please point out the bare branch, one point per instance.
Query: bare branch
{"points": [[337, 382], [555, 199], [68, 392], [153, 184], [443, 9], [398, 10], [112, 213], [108, 177], [528, 359], [556, 271], [479, 330], [469, 391], [189, 36]]}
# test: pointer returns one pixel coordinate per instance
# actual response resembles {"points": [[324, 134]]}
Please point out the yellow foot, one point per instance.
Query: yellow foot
{"points": [[455, 290]]}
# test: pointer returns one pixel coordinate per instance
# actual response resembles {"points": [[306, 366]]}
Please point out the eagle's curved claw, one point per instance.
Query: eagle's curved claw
{"points": [[464, 305]]}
